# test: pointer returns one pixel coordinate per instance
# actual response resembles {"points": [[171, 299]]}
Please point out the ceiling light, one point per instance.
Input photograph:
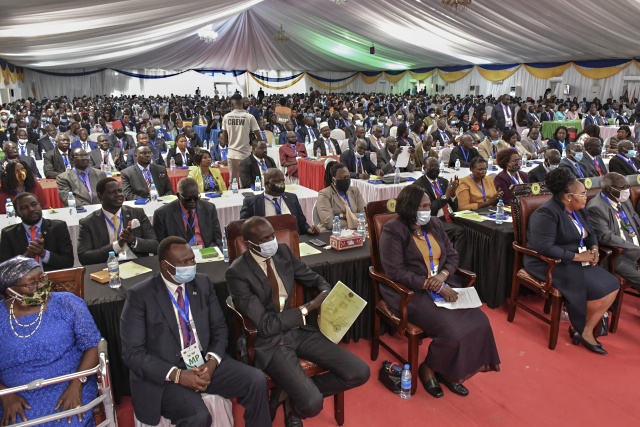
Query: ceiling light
{"points": [[281, 36], [207, 34], [455, 4], [339, 2]]}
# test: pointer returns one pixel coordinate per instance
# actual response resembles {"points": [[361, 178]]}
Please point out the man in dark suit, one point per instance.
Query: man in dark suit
{"points": [[219, 151], [106, 154], [593, 118], [11, 154], [24, 147], [551, 161], [307, 130], [261, 284], [121, 140], [464, 152], [46, 143], [358, 161], [121, 229], [83, 142], [171, 313], [137, 179], [276, 201], [623, 162], [256, 164], [57, 161], [283, 138], [347, 125], [386, 157], [156, 155], [177, 218], [592, 161], [193, 140], [334, 121], [158, 142], [360, 134], [81, 180], [571, 161], [442, 136], [327, 145], [46, 240], [503, 112], [607, 212]]}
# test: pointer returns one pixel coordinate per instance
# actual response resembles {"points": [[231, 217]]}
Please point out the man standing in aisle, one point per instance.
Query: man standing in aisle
{"points": [[236, 127]]}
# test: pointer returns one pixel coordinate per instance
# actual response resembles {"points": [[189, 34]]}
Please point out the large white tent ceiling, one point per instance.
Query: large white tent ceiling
{"points": [[162, 34]]}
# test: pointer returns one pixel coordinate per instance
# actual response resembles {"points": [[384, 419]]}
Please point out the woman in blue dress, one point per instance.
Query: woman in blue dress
{"points": [[43, 335]]}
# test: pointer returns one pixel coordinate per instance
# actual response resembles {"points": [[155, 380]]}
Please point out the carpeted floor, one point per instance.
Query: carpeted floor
{"points": [[567, 387]]}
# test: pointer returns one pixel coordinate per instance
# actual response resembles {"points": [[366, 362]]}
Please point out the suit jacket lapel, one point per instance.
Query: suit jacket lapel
{"points": [[177, 217], [262, 278], [102, 233], [196, 310], [166, 307], [282, 270], [289, 202]]}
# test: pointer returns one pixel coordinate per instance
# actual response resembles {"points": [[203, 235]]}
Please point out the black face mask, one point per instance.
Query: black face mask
{"points": [[343, 184], [277, 188], [433, 173]]}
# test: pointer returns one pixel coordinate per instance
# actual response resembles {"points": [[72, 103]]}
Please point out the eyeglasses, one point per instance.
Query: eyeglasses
{"points": [[41, 281], [584, 194]]}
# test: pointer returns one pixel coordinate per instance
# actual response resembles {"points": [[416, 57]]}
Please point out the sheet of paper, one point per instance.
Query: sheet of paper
{"points": [[507, 219], [169, 198], [131, 269], [467, 298], [307, 249], [403, 158], [290, 187], [200, 260], [338, 312], [473, 216]]}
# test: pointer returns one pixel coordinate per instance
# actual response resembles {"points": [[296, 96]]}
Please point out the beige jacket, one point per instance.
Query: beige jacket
{"points": [[485, 149], [331, 204]]}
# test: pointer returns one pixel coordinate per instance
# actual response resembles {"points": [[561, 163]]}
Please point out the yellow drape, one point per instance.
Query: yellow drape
{"points": [[370, 79], [422, 76], [547, 73], [454, 76], [396, 78], [294, 81], [496, 75], [324, 86], [600, 73]]}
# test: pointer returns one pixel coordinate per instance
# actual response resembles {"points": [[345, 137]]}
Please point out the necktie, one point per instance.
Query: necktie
{"points": [[66, 160], [264, 166], [279, 208], [146, 178], [595, 162], [445, 208], [34, 235], [625, 232], [184, 328], [275, 290], [190, 226], [106, 158]]}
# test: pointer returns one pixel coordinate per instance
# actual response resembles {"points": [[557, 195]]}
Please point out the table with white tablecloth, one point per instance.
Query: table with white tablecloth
{"points": [[227, 207]]}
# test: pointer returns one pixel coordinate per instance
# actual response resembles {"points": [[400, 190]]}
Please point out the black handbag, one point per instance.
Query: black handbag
{"points": [[390, 374], [603, 325]]}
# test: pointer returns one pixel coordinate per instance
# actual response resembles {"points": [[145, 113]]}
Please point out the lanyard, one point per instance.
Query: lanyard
{"points": [[433, 268], [153, 142], [466, 155], [629, 161], [85, 180], [622, 217], [484, 194], [223, 152], [212, 183], [561, 144], [191, 226], [444, 136], [263, 165], [23, 149], [66, 161], [358, 164], [535, 141], [147, 174], [293, 146], [182, 313], [515, 181], [379, 142], [113, 225], [437, 188], [344, 197], [278, 208], [328, 142], [578, 224]]}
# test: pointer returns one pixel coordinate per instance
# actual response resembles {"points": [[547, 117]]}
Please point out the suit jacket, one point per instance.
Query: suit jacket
{"points": [[498, 114], [28, 160], [216, 154], [282, 138], [437, 137], [319, 143], [555, 145], [168, 221], [93, 238], [383, 158], [95, 158], [135, 187], [617, 164], [565, 163], [249, 169], [28, 149], [303, 132], [45, 144], [587, 164], [503, 181], [349, 128], [252, 294], [151, 338], [53, 164], [485, 148], [254, 206], [78, 144], [173, 152], [607, 227], [348, 158], [195, 142], [590, 121], [370, 146], [70, 181], [127, 142], [537, 174], [457, 154], [334, 124], [13, 242], [437, 202]]}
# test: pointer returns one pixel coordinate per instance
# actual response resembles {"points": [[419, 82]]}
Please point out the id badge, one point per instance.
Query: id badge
{"points": [[434, 270], [582, 249], [192, 356]]}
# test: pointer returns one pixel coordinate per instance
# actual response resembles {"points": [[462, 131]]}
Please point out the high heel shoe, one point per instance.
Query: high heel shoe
{"points": [[572, 334], [578, 339]]}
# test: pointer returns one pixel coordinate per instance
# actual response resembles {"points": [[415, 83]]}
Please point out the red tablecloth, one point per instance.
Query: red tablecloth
{"points": [[311, 172], [50, 187]]}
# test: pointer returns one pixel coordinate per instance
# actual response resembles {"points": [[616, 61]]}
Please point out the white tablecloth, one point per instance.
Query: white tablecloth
{"points": [[227, 208], [609, 131]]}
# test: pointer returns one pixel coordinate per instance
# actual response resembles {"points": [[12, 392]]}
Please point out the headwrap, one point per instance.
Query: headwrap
{"points": [[13, 270]]}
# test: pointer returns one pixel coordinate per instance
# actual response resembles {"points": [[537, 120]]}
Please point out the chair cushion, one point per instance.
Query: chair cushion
{"points": [[383, 309], [535, 283]]}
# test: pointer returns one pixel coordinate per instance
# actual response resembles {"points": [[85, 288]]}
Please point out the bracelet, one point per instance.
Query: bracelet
{"points": [[177, 380], [441, 286]]}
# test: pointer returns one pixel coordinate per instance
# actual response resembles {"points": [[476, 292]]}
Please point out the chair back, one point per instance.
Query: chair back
{"points": [[337, 134], [524, 201], [70, 280], [635, 195], [284, 226], [315, 215], [378, 214]]}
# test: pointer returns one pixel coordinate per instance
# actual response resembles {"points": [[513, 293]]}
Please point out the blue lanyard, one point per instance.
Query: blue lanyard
{"points": [[213, 184], [444, 135], [192, 227], [484, 194], [621, 216], [358, 164], [113, 225], [328, 142], [437, 188], [148, 175], [279, 209], [629, 161], [182, 313], [223, 152], [153, 142], [344, 197], [536, 143], [433, 268], [23, 150], [85, 180], [264, 168], [66, 161], [515, 181], [264, 137], [561, 144], [293, 146], [466, 155], [578, 223]]}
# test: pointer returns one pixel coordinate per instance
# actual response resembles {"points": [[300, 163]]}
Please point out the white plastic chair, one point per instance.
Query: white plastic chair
{"points": [[344, 144], [337, 134], [393, 131], [219, 408], [94, 136], [316, 217]]}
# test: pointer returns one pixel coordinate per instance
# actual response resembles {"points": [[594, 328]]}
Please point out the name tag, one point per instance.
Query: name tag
{"points": [[434, 270], [582, 249], [192, 356]]}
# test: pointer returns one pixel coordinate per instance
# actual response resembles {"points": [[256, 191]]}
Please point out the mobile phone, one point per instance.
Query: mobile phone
{"points": [[317, 242]]}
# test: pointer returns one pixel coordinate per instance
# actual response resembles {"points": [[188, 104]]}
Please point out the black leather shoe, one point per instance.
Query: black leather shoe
{"points": [[275, 400], [456, 388], [578, 339], [292, 420], [573, 333], [433, 387]]}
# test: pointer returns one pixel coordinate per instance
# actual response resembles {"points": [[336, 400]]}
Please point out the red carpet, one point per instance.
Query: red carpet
{"points": [[536, 386]]}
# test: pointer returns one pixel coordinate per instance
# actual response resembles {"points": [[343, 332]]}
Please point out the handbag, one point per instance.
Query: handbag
{"points": [[389, 375], [603, 325]]}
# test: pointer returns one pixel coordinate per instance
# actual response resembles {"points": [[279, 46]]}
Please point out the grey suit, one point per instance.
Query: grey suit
{"points": [[383, 158], [568, 164], [96, 159], [70, 181], [607, 228], [587, 164], [168, 221], [135, 187], [127, 142], [53, 164]]}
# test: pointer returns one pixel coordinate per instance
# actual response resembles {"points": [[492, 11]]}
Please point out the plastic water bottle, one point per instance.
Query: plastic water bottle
{"points": [[71, 202], [204, 146], [258, 184], [500, 212], [336, 226], [172, 165], [225, 248], [103, 167], [107, 168], [442, 166], [114, 270], [43, 152], [362, 227], [457, 164], [153, 193], [11, 212], [318, 153], [405, 383], [396, 177], [234, 186], [32, 155], [524, 160]]}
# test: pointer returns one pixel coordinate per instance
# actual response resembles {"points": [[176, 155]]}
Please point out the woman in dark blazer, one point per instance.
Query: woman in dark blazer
{"points": [[182, 154], [510, 162], [463, 342], [560, 140], [554, 231]]}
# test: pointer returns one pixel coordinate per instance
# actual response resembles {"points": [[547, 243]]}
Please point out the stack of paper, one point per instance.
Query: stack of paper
{"points": [[467, 298], [470, 215]]}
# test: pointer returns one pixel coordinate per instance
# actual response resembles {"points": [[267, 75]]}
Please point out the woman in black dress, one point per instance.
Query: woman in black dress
{"points": [[559, 229], [463, 342]]}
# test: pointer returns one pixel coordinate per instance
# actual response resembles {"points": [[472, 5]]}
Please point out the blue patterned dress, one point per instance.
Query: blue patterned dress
{"points": [[55, 349]]}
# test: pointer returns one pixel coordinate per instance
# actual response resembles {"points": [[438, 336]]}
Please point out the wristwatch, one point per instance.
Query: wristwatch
{"points": [[303, 310]]}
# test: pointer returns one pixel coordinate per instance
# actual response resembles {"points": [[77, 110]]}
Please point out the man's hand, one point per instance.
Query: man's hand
{"points": [[451, 189], [190, 379], [126, 236], [313, 230], [71, 399], [317, 301], [396, 154], [12, 405], [206, 371], [363, 176], [449, 294], [116, 160]]}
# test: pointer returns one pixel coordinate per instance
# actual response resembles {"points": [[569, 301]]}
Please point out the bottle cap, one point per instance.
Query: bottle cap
{"points": [[407, 367], [112, 253], [336, 217], [71, 193]]}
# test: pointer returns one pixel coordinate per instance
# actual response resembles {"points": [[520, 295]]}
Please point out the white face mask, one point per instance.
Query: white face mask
{"points": [[423, 218], [624, 196], [268, 249], [23, 141], [358, 155]]}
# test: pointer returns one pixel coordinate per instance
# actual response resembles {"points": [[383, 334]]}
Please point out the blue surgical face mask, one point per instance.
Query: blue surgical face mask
{"points": [[553, 167], [578, 155], [631, 153], [157, 127], [184, 274], [495, 142], [318, 119], [423, 218]]}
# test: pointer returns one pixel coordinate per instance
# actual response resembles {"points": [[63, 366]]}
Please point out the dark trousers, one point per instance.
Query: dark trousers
{"points": [[346, 370], [185, 408]]}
